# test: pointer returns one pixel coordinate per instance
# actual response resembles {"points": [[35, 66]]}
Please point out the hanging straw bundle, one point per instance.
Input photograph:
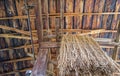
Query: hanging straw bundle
{"points": [[83, 55]]}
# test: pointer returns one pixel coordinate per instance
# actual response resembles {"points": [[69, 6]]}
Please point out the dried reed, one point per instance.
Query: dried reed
{"points": [[83, 55]]}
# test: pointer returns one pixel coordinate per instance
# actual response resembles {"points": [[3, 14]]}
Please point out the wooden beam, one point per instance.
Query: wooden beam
{"points": [[58, 15], [86, 32], [16, 71], [64, 30], [18, 17], [52, 30], [18, 37], [16, 30], [40, 67], [57, 44], [81, 30], [16, 60], [104, 43], [24, 46]]}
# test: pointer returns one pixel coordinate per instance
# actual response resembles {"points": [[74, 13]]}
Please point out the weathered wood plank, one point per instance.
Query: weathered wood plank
{"points": [[69, 9], [52, 9], [40, 65], [96, 9], [78, 9], [116, 17], [88, 8]]}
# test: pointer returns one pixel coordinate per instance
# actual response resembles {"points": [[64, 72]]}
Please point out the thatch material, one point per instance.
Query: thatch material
{"points": [[83, 54]]}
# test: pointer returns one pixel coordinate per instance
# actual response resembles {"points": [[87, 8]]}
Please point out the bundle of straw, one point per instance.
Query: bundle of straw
{"points": [[83, 55]]}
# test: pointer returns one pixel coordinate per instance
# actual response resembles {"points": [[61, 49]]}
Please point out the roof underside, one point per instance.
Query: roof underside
{"points": [[15, 47]]}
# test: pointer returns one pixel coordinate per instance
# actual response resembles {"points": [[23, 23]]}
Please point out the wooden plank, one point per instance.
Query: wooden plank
{"points": [[107, 18], [116, 17], [78, 9], [69, 9], [95, 17], [88, 8], [52, 9], [100, 9], [40, 65]]}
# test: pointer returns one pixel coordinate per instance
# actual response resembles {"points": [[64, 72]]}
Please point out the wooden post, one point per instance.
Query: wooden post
{"points": [[40, 65], [115, 51]]}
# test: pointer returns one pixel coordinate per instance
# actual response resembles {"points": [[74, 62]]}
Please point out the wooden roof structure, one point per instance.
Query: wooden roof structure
{"points": [[23, 34]]}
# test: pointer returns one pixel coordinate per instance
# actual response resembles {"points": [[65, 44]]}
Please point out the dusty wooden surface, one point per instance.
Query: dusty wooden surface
{"points": [[78, 14]]}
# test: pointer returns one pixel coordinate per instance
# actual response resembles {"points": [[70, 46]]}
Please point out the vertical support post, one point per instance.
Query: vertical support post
{"points": [[115, 51], [40, 65]]}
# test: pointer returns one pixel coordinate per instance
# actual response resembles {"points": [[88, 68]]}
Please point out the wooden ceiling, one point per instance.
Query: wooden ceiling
{"points": [[81, 16]]}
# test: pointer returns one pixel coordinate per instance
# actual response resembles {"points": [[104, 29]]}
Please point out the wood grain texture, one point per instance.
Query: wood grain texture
{"points": [[88, 7], [69, 9], [52, 9], [78, 7]]}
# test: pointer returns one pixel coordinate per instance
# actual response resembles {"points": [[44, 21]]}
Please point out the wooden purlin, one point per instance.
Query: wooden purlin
{"points": [[4, 27], [58, 15], [16, 71]]}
